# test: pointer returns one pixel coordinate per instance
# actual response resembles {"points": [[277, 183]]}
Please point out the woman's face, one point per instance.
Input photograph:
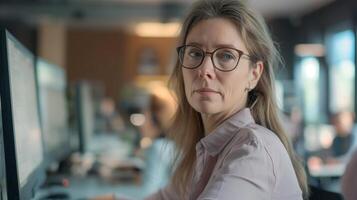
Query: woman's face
{"points": [[208, 90]]}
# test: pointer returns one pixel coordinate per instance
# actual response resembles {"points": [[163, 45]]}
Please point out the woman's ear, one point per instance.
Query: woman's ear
{"points": [[255, 74]]}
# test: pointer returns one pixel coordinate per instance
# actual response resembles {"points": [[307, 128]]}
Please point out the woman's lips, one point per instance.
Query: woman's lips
{"points": [[206, 91]]}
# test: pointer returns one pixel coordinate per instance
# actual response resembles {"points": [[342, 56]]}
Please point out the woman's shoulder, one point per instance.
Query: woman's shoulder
{"points": [[261, 137], [254, 134], [246, 156], [255, 149], [258, 140]]}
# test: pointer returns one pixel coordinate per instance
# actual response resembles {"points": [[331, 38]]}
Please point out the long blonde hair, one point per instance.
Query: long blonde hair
{"points": [[187, 128]]}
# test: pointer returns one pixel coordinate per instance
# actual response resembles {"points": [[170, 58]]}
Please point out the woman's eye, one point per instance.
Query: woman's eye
{"points": [[226, 56], [195, 54]]}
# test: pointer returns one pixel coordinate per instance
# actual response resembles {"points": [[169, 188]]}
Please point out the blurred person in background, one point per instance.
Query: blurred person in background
{"points": [[158, 149], [345, 141], [342, 145], [338, 147], [133, 101], [112, 121]]}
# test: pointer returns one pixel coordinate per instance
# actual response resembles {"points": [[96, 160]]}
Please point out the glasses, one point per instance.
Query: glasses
{"points": [[224, 59]]}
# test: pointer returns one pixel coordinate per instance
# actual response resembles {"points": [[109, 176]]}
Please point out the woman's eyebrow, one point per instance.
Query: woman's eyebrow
{"points": [[222, 45], [225, 45], [194, 44]]}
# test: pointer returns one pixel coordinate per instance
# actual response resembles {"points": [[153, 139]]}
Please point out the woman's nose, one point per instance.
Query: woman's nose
{"points": [[206, 69]]}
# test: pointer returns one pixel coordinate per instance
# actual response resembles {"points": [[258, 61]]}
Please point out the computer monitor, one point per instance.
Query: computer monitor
{"points": [[52, 85], [85, 114], [20, 119], [73, 118]]}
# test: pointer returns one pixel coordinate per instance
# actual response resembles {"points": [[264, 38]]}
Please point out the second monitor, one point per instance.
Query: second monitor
{"points": [[52, 85]]}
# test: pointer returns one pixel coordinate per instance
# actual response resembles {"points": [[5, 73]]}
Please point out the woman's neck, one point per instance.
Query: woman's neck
{"points": [[212, 121]]}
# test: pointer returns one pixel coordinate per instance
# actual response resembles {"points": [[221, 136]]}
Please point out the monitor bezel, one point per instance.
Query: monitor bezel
{"points": [[36, 177], [3, 194]]}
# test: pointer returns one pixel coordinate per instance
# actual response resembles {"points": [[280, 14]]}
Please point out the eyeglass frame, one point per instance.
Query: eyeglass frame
{"points": [[240, 53]]}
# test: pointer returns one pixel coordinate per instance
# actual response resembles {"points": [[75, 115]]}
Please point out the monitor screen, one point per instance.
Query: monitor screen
{"points": [[53, 109], [22, 133], [27, 131]]}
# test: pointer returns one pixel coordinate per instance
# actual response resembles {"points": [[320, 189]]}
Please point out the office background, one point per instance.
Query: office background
{"points": [[116, 57]]}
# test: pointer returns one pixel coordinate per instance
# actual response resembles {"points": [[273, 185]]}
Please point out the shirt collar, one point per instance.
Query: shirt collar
{"points": [[219, 138]]}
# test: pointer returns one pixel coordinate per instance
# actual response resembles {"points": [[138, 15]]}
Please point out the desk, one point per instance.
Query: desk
{"points": [[328, 176], [110, 161], [82, 188], [91, 186], [123, 181]]}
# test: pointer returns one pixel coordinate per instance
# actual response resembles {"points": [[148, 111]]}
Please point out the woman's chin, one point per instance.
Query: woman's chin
{"points": [[207, 108]]}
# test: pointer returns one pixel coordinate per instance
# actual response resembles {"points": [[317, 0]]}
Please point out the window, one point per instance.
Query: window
{"points": [[340, 57], [309, 70]]}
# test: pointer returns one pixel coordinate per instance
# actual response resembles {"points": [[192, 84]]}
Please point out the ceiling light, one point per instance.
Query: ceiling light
{"points": [[316, 50], [155, 29]]}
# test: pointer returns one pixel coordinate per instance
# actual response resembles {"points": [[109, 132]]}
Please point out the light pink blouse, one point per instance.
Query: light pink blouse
{"points": [[239, 160]]}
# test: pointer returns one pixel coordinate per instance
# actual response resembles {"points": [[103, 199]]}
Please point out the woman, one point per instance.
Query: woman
{"points": [[232, 144]]}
